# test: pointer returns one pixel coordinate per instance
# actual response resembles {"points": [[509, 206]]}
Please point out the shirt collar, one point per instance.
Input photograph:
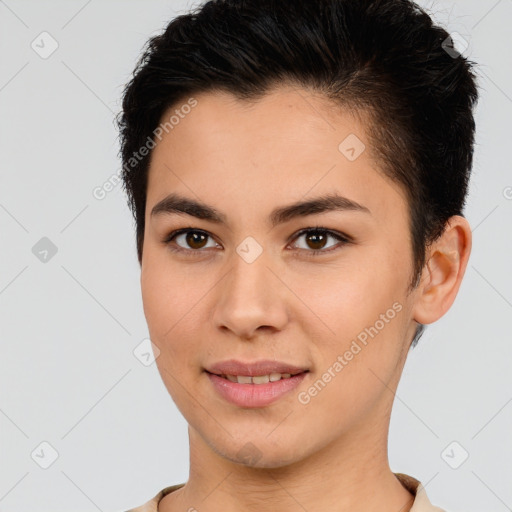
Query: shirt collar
{"points": [[421, 500]]}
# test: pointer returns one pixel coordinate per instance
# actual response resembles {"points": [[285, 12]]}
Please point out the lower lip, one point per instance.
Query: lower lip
{"points": [[254, 395]]}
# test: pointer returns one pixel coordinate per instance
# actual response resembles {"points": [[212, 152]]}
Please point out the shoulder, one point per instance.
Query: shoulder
{"points": [[152, 504]]}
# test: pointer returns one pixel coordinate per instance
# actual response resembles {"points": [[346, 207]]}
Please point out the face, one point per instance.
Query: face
{"points": [[256, 285]]}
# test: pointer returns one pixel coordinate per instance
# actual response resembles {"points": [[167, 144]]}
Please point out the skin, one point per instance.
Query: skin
{"points": [[245, 160]]}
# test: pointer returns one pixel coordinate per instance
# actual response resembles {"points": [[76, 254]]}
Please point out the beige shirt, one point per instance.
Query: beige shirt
{"points": [[421, 501]]}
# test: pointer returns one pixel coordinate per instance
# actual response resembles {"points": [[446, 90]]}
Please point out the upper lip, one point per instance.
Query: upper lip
{"points": [[262, 367]]}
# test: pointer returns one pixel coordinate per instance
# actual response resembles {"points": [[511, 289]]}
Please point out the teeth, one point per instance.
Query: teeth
{"points": [[262, 379], [258, 379]]}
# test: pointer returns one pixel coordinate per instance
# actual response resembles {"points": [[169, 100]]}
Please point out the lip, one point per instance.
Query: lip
{"points": [[261, 367], [254, 395]]}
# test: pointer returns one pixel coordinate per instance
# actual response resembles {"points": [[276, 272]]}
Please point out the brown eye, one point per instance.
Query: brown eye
{"points": [[195, 240], [190, 240], [316, 240]]}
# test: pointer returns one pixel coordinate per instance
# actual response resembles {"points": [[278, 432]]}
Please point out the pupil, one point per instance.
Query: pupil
{"points": [[320, 238], [193, 237]]}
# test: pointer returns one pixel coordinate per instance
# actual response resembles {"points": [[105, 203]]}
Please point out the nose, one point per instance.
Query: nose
{"points": [[251, 299]]}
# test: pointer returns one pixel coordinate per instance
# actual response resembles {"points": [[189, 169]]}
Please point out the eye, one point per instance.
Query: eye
{"points": [[316, 239], [194, 238], [190, 240]]}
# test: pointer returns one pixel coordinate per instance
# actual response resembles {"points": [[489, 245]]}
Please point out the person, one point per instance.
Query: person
{"points": [[297, 172]]}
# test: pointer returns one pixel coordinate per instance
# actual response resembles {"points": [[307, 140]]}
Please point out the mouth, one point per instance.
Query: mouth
{"points": [[253, 391], [257, 379], [254, 383]]}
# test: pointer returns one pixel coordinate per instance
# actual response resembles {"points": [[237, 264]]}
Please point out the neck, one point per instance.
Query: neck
{"points": [[350, 474]]}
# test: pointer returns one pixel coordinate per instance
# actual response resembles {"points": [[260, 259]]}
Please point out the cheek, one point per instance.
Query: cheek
{"points": [[354, 375], [357, 312], [167, 293], [173, 301], [169, 314], [343, 299]]}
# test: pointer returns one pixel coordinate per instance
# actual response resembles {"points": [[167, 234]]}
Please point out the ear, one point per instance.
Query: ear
{"points": [[447, 259]]}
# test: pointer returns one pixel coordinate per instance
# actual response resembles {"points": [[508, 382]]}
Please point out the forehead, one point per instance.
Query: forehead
{"points": [[288, 144], [285, 115]]}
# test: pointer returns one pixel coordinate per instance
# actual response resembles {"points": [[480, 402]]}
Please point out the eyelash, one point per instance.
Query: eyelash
{"points": [[343, 239]]}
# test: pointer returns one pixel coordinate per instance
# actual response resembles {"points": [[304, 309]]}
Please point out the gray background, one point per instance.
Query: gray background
{"points": [[69, 326]]}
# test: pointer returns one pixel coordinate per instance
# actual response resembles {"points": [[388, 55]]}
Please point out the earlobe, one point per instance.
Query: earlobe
{"points": [[442, 275]]}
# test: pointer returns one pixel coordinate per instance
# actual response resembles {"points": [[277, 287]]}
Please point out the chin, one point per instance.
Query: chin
{"points": [[257, 453]]}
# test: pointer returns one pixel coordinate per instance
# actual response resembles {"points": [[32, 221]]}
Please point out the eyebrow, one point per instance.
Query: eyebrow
{"points": [[177, 204]]}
